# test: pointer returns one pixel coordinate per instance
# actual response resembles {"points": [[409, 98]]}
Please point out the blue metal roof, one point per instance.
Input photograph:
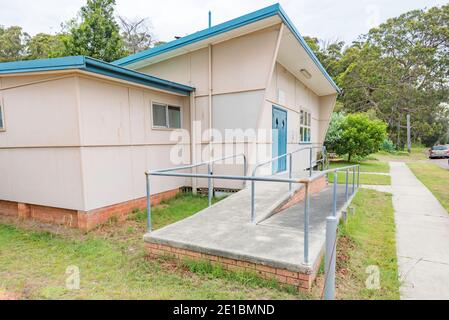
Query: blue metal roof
{"points": [[94, 66], [255, 16]]}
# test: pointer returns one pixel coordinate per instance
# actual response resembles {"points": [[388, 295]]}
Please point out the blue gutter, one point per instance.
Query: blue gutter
{"points": [[76, 62], [255, 16], [95, 66]]}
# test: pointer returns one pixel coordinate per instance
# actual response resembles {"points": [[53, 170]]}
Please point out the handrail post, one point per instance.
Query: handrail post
{"points": [[306, 224], [358, 176], [324, 152], [149, 226], [353, 179], [209, 181], [330, 258], [347, 184], [311, 156], [245, 168], [253, 209], [290, 171], [334, 201]]}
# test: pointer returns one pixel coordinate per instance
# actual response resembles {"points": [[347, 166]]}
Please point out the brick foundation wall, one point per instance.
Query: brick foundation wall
{"points": [[84, 220], [8, 208], [314, 187], [300, 280]]}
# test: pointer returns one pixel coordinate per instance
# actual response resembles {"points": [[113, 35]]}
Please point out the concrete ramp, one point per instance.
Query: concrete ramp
{"points": [[225, 230]]}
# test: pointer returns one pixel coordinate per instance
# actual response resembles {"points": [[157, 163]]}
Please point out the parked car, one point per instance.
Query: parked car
{"points": [[439, 152]]}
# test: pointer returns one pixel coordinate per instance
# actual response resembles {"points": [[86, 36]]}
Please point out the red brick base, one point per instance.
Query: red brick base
{"points": [[314, 187], [84, 220], [300, 280]]}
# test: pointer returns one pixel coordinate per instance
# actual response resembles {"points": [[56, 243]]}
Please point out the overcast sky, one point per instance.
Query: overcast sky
{"points": [[325, 19]]}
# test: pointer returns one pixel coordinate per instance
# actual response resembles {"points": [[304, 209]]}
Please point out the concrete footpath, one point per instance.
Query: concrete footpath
{"points": [[422, 235]]}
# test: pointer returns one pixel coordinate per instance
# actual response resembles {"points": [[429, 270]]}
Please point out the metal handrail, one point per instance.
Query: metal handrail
{"points": [[309, 180], [290, 156], [210, 166], [305, 181]]}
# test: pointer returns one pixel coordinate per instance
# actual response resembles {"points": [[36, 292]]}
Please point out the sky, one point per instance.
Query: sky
{"points": [[325, 19]]}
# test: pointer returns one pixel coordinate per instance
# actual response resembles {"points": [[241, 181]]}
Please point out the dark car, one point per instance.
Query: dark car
{"points": [[439, 152]]}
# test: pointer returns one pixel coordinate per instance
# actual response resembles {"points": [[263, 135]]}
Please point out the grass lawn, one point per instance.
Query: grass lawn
{"points": [[368, 239], [113, 266], [365, 178], [435, 179], [365, 166], [417, 154]]}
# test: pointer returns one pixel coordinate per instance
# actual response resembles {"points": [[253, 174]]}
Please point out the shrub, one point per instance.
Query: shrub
{"points": [[334, 132], [360, 136], [388, 146]]}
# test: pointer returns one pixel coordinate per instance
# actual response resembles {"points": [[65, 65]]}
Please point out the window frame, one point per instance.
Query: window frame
{"points": [[167, 120], [307, 116], [2, 114]]}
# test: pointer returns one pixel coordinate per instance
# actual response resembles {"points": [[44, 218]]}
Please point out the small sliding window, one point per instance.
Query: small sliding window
{"points": [[166, 116]]}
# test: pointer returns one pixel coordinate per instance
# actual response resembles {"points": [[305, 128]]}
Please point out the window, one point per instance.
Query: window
{"points": [[165, 116], [2, 118], [305, 124]]}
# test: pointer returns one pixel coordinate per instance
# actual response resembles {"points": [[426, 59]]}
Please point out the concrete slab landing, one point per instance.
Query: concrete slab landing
{"points": [[225, 229]]}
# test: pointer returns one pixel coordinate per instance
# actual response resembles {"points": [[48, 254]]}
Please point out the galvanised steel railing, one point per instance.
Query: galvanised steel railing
{"points": [[290, 170], [309, 180], [210, 171], [306, 181]]}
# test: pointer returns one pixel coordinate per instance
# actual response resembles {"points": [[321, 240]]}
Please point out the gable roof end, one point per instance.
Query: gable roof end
{"points": [[273, 10]]}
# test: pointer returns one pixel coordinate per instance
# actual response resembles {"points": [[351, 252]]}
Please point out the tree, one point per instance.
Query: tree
{"points": [[12, 43], [360, 136], [136, 34], [333, 137], [44, 45], [401, 68], [97, 34], [329, 53]]}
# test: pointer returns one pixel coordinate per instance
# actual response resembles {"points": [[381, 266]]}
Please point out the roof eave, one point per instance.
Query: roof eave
{"points": [[107, 69], [306, 47], [264, 13], [94, 66]]}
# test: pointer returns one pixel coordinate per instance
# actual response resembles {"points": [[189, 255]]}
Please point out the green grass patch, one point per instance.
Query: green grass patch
{"points": [[112, 264], [178, 208], [249, 279], [368, 239], [365, 166], [435, 179], [418, 153], [365, 178]]}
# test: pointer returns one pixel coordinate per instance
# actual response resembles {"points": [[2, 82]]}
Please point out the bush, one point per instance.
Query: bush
{"points": [[334, 131], [360, 136], [388, 146]]}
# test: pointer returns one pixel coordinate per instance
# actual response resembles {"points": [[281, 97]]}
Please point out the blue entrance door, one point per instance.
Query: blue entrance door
{"points": [[279, 139]]}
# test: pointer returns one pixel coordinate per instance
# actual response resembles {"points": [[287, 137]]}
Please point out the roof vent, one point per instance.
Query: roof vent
{"points": [[305, 73]]}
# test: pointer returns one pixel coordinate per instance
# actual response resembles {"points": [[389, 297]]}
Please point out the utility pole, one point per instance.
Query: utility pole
{"points": [[409, 134]]}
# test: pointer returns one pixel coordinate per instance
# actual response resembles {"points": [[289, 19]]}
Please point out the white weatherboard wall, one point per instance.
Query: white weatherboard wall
{"points": [[296, 97], [79, 142], [246, 82], [40, 162], [240, 71], [119, 143]]}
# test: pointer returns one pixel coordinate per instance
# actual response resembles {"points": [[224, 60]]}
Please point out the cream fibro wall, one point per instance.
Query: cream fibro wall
{"points": [[245, 83], [119, 143], [296, 96], [40, 158], [79, 142], [239, 72]]}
